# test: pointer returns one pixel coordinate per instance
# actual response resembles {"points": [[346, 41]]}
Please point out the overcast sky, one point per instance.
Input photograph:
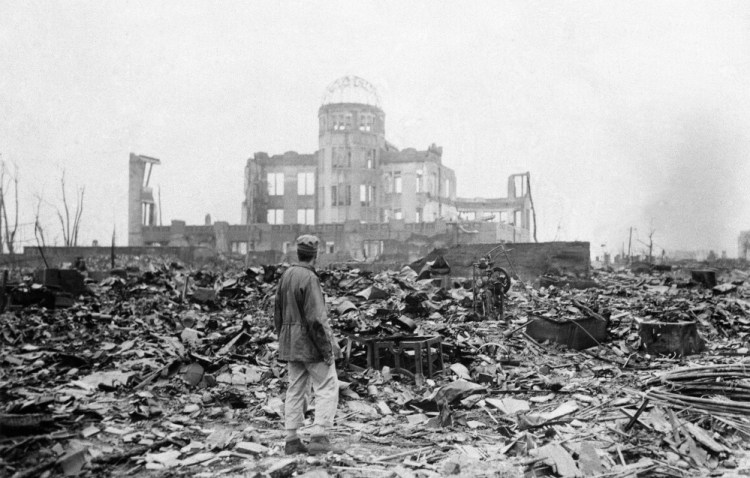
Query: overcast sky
{"points": [[625, 113]]}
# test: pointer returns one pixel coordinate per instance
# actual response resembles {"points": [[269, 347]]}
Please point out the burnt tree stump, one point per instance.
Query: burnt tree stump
{"points": [[667, 338]]}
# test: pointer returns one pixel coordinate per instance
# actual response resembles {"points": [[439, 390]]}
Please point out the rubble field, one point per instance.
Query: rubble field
{"points": [[161, 370]]}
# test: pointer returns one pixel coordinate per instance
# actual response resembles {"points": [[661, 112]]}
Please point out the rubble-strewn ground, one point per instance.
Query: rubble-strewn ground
{"points": [[172, 372]]}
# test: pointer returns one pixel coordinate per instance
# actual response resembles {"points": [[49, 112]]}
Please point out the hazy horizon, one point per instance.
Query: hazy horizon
{"points": [[631, 114]]}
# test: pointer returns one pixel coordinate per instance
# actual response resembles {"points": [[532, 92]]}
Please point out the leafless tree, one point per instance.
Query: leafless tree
{"points": [[8, 183], [70, 219], [650, 245]]}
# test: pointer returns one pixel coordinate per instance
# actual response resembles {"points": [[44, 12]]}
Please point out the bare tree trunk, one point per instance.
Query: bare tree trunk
{"points": [[70, 229], [66, 228], [8, 232], [79, 212]]}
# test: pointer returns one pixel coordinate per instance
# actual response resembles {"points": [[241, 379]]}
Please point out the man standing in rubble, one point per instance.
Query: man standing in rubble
{"points": [[306, 343]]}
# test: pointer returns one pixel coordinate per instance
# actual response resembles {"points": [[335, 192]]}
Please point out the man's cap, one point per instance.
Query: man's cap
{"points": [[308, 243]]}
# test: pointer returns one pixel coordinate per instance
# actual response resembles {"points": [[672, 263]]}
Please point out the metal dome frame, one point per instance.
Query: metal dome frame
{"points": [[336, 91]]}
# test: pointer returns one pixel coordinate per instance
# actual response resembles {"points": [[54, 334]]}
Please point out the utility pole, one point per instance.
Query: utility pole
{"points": [[630, 241]]}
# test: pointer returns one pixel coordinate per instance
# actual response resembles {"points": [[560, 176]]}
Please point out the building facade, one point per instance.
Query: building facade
{"points": [[357, 175], [360, 193], [141, 204]]}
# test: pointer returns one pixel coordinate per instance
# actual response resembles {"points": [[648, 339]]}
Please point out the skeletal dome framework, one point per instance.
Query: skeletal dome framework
{"points": [[351, 89]]}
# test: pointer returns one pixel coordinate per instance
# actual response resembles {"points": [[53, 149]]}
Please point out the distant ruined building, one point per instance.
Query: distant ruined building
{"points": [[743, 245], [362, 196]]}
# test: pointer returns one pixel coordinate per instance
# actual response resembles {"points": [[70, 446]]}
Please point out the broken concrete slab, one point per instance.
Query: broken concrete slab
{"points": [[250, 448], [73, 461], [508, 405], [724, 288], [559, 459]]}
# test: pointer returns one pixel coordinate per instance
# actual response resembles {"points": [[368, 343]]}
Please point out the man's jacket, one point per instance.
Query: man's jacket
{"points": [[300, 317]]}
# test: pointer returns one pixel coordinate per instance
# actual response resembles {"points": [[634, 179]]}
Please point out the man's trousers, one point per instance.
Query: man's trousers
{"points": [[325, 385]]}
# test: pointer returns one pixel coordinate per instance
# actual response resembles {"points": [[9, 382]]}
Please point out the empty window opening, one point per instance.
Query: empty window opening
{"points": [[365, 122], [275, 184], [341, 195], [518, 218], [372, 248], [306, 216], [366, 195], [305, 184], [275, 216]]}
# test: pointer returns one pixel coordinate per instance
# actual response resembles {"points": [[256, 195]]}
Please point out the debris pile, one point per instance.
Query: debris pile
{"points": [[163, 369]]}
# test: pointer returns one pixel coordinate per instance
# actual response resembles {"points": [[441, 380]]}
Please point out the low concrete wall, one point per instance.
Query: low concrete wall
{"points": [[530, 260], [57, 256]]}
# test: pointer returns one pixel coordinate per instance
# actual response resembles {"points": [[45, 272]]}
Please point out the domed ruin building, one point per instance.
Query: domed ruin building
{"points": [[361, 195]]}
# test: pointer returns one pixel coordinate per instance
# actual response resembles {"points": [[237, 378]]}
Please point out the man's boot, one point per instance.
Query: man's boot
{"points": [[295, 446]]}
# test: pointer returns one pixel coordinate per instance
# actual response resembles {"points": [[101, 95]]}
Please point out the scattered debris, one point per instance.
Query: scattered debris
{"points": [[161, 369]]}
